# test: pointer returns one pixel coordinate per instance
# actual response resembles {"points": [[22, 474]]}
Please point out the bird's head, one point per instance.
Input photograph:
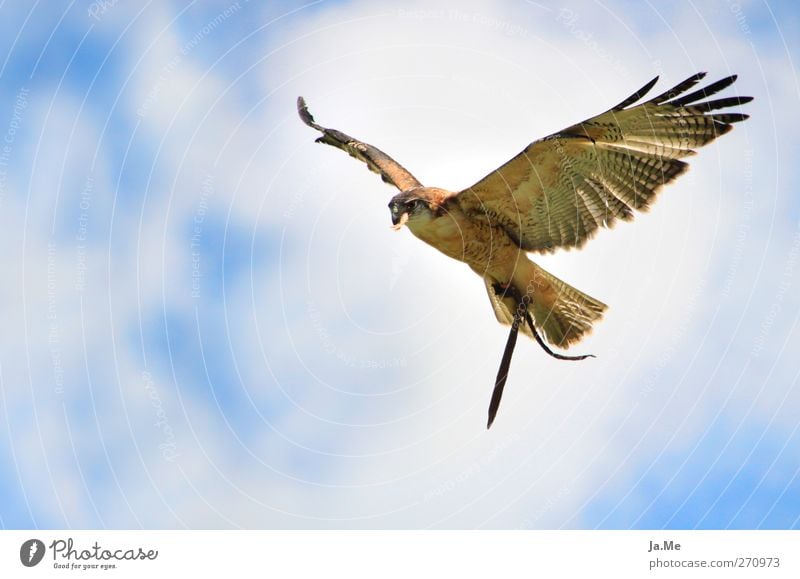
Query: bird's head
{"points": [[413, 207]]}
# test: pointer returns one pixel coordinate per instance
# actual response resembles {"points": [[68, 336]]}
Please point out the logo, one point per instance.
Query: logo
{"points": [[31, 552]]}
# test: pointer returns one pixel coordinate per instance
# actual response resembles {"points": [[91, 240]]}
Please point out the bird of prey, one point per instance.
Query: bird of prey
{"points": [[554, 194]]}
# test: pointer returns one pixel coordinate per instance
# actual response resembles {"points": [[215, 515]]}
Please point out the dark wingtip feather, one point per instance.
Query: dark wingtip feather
{"points": [[729, 118], [720, 103], [636, 96], [302, 109], [305, 115], [679, 88], [704, 92]]}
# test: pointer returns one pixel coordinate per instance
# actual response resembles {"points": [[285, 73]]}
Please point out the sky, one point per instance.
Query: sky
{"points": [[210, 324]]}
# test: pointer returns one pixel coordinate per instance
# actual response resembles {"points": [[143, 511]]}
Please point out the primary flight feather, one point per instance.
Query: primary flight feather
{"points": [[556, 193]]}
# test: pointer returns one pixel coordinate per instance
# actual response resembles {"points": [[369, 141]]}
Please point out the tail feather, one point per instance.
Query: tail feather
{"points": [[563, 314]]}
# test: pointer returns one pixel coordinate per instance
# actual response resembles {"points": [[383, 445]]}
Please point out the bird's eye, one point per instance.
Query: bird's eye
{"points": [[414, 204]]}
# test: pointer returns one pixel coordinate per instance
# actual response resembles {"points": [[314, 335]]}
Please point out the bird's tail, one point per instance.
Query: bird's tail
{"points": [[561, 313]]}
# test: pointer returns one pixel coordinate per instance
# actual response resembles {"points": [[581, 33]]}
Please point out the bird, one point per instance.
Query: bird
{"points": [[557, 193]]}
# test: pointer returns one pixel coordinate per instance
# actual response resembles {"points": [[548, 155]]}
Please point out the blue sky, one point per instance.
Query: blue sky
{"points": [[210, 325]]}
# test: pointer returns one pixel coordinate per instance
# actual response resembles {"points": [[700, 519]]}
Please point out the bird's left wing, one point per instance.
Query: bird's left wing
{"points": [[559, 190], [379, 162]]}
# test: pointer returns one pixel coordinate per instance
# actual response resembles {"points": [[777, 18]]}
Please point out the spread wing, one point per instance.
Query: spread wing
{"points": [[561, 189], [379, 162]]}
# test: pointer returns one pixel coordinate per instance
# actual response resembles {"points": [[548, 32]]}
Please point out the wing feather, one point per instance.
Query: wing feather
{"points": [[379, 162], [561, 189]]}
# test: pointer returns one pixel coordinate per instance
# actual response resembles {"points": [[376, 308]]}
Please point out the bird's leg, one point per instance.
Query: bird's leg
{"points": [[544, 345], [521, 315], [501, 289], [508, 290]]}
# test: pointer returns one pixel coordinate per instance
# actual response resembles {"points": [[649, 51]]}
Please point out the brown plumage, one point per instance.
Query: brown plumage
{"points": [[556, 193]]}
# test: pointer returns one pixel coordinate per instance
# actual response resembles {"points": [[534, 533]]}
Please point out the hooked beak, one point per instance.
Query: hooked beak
{"points": [[398, 222]]}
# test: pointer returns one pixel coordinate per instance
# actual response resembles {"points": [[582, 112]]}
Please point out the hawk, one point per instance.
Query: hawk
{"points": [[556, 193]]}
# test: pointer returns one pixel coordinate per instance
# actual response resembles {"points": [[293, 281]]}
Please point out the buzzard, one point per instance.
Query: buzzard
{"points": [[555, 194]]}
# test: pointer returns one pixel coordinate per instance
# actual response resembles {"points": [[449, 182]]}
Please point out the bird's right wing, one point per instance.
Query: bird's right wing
{"points": [[379, 162]]}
